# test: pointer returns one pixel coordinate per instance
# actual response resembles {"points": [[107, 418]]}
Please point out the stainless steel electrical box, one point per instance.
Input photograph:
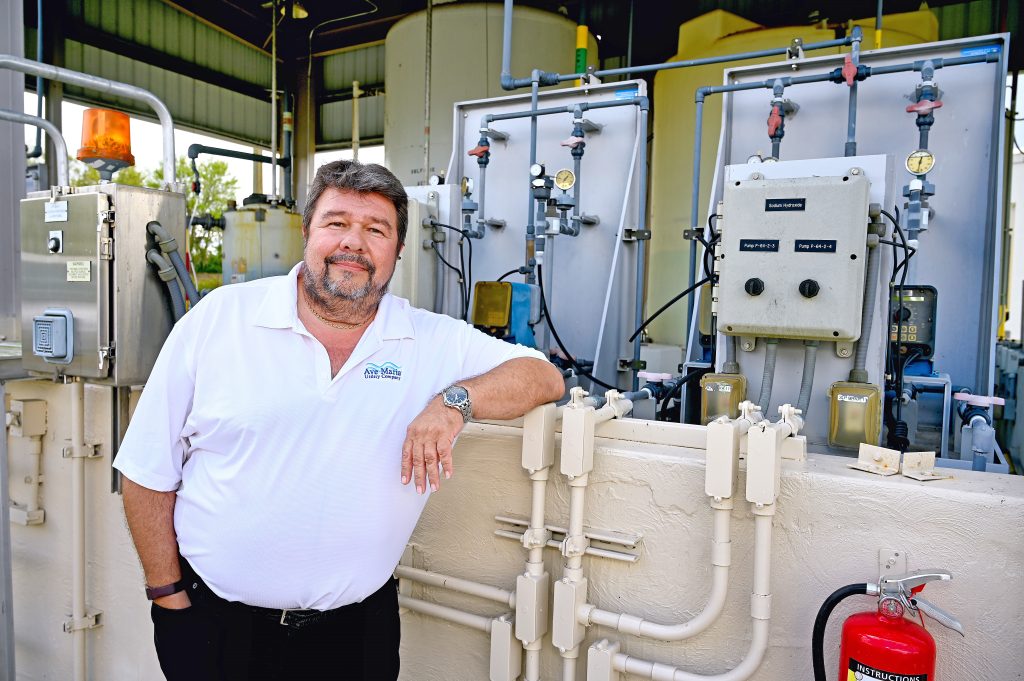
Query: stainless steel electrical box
{"points": [[84, 269], [793, 257]]}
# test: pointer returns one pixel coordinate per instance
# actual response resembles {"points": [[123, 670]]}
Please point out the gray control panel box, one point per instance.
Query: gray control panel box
{"points": [[84, 252], [793, 257]]}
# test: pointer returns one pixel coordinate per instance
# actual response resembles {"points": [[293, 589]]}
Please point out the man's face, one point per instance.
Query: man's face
{"points": [[351, 248]]}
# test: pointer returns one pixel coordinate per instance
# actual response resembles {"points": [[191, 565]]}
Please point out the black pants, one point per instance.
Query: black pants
{"points": [[218, 640]]}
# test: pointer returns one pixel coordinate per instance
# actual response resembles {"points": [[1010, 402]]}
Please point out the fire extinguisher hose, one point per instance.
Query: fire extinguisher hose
{"points": [[821, 621]]}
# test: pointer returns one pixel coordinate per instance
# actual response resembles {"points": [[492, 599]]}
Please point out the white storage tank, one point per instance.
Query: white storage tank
{"points": [[465, 65], [260, 240]]}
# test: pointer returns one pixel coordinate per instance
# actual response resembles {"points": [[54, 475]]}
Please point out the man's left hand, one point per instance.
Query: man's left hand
{"points": [[428, 441]]}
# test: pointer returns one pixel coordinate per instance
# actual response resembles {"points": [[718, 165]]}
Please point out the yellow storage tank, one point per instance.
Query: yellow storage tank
{"points": [[465, 65], [260, 240], [711, 34]]}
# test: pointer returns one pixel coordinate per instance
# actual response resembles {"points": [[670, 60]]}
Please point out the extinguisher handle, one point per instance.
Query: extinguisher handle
{"points": [[938, 614], [913, 580]]}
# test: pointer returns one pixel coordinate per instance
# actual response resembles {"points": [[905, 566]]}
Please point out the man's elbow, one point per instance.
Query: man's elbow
{"points": [[554, 384]]}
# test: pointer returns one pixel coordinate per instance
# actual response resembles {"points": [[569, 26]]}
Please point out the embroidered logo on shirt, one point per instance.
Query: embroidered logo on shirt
{"points": [[388, 371]]}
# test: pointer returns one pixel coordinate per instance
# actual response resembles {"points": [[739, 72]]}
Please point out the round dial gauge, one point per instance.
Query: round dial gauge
{"points": [[536, 170], [920, 162], [435, 180], [565, 179], [756, 158], [466, 185]]}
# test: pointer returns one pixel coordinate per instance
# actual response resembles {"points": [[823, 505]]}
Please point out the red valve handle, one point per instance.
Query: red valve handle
{"points": [[774, 120], [479, 150], [924, 107], [849, 70]]}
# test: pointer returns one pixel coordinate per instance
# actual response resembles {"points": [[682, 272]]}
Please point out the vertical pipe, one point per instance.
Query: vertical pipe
{"points": [[762, 554], [694, 201], [851, 115], [288, 128], [530, 227], [569, 669], [878, 26], [577, 162], [6, 583], [78, 528], [506, 42], [482, 194], [38, 149], [273, 99], [355, 119], [426, 91], [577, 505], [629, 38], [641, 248]]}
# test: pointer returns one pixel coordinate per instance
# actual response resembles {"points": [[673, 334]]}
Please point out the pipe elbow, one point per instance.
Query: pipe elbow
{"points": [[644, 103], [701, 93], [194, 150], [507, 82], [167, 243]]}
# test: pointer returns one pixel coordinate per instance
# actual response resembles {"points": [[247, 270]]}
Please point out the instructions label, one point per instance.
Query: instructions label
{"points": [[760, 245], [862, 672], [79, 270], [55, 211]]}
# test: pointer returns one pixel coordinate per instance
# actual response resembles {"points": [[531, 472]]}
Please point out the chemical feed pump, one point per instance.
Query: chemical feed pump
{"points": [[883, 643]]}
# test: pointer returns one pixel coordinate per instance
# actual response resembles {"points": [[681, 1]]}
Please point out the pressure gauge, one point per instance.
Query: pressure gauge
{"points": [[565, 179], [466, 185], [435, 180], [756, 158], [536, 170], [920, 162]]}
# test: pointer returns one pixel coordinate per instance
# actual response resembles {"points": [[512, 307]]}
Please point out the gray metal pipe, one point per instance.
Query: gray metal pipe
{"points": [[771, 352], [62, 75], [691, 277], [59, 145], [641, 245], [506, 46], [531, 227], [860, 356], [851, 114], [807, 377], [184, 276], [37, 150]]}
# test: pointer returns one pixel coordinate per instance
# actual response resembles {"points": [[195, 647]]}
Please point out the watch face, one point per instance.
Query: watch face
{"points": [[456, 395]]}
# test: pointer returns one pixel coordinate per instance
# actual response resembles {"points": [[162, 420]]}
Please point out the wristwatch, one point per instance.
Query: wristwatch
{"points": [[457, 397], [155, 592]]}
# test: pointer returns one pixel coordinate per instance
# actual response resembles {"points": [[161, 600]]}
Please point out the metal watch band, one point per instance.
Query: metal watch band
{"points": [[155, 592]]}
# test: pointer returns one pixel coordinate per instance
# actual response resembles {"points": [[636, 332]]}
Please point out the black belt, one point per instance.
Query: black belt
{"points": [[296, 619]]}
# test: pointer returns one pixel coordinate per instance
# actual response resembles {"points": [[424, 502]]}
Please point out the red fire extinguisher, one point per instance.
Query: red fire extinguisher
{"points": [[884, 644]]}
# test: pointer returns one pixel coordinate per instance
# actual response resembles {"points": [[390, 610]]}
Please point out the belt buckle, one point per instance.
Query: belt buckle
{"points": [[284, 617]]}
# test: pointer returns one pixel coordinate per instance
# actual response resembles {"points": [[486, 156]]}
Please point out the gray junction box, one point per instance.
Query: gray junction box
{"points": [[85, 278]]}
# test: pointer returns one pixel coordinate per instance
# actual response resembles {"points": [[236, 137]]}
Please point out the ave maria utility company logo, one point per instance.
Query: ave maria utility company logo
{"points": [[387, 371]]}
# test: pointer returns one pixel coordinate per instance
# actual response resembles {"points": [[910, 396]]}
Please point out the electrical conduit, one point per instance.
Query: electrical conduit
{"points": [[807, 378], [771, 352]]}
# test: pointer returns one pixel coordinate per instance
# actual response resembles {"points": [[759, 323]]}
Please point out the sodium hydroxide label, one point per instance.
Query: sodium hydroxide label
{"points": [[626, 94], [983, 49]]}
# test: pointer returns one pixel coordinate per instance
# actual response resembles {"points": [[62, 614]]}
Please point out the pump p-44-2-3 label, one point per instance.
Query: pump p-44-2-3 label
{"points": [[862, 672]]}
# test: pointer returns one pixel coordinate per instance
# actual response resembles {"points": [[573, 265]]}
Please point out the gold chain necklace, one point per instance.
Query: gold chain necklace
{"points": [[345, 326]]}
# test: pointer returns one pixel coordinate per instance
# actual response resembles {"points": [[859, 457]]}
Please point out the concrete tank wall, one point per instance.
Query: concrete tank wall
{"points": [[830, 525], [465, 65]]}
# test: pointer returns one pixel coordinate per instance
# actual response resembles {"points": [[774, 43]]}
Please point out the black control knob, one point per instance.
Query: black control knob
{"points": [[53, 245], [809, 288], [754, 286], [901, 315]]}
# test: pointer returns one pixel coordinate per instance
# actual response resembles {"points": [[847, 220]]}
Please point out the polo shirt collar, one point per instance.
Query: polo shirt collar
{"points": [[279, 310]]}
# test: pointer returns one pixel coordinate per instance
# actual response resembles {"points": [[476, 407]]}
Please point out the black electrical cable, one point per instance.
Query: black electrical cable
{"points": [[561, 345], [508, 274], [453, 268], [821, 621], [468, 270], [667, 306], [465, 282], [899, 431], [678, 388]]}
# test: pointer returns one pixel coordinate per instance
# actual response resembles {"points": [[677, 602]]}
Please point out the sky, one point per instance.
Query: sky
{"points": [[147, 146]]}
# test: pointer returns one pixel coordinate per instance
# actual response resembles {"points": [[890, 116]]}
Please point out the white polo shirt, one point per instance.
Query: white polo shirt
{"points": [[288, 480]]}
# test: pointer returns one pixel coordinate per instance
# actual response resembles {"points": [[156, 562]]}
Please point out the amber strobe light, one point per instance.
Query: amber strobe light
{"points": [[106, 141]]}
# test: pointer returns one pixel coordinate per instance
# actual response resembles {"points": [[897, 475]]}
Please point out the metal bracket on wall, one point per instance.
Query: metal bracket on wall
{"points": [[90, 621], [632, 234], [891, 562], [496, 135], [844, 349], [748, 343], [627, 364], [92, 452]]}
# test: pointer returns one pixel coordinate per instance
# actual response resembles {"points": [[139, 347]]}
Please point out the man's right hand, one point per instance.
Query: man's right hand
{"points": [[176, 601]]}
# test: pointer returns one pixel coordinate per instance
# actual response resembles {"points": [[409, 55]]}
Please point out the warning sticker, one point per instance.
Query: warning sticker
{"points": [[79, 270], [862, 672]]}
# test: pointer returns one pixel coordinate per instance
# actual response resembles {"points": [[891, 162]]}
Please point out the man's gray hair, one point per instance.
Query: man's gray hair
{"points": [[365, 178]]}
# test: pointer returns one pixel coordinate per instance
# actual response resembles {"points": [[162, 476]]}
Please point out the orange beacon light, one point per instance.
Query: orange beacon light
{"points": [[106, 141]]}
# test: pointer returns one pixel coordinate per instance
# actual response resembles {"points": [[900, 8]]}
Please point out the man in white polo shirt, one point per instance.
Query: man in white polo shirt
{"points": [[281, 452]]}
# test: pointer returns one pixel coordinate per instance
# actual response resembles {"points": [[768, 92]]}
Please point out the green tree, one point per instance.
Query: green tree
{"points": [[83, 175], [217, 188]]}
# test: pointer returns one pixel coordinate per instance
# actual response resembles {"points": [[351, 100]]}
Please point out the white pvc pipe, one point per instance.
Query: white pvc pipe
{"points": [[568, 668], [78, 529], [637, 626], [466, 619], [531, 671], [273, 99], [760, 611], [465, 586], [36, 452], [577, 502], [9, 61], [60, 147]]}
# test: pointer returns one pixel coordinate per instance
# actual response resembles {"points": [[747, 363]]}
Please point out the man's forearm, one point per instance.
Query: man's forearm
{"points": [[150, 517], [513, 388]]}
